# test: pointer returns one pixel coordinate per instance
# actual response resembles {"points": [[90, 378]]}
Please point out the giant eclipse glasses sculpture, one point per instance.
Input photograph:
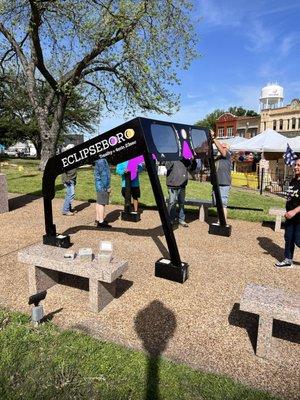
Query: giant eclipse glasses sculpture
{"points": [[152, 139]]}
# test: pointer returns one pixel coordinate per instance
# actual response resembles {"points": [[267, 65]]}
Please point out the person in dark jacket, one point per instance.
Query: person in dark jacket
{"points": [[102, 185], [177, 179], [121, 169], [223, 169], [69, 182], [292, 223]]}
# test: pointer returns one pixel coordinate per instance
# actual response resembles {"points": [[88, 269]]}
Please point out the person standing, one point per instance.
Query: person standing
{"points": [[177, 179], [102, 185], [122, 169], [223, 169], [69, 182], [292, 223]]}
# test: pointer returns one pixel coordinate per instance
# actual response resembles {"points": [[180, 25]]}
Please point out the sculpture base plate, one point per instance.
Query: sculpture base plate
{"points": [[166, 270], [130, 216], [217, 229], [58, 241]]}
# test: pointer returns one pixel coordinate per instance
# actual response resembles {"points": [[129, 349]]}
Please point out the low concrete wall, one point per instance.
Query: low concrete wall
{"points": [[3, 194]]}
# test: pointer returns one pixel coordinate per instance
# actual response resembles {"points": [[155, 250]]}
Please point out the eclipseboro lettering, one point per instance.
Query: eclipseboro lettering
{"points": [[98, 147]]}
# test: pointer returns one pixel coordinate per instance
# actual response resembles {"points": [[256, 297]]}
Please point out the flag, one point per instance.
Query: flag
{"points": [[289, 156]]}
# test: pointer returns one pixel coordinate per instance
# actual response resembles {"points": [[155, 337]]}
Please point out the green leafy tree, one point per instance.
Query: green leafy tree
{"points": [[125, 52], [242, 112], [18, 121], [209, 121]]}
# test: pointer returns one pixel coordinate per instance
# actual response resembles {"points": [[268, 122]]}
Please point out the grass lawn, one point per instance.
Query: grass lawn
{"points": [[47, 363], [25, 178]]}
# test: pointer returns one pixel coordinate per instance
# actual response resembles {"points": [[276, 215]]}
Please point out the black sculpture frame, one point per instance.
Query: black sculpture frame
{"points": [[125, 142]]}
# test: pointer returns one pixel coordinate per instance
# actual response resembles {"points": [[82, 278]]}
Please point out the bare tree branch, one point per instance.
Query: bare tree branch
{"points": [[15, 45], [35, 22]]}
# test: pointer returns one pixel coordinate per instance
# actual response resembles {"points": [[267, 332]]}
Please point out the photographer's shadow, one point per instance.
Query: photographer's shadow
{"points": [[155, 325]]}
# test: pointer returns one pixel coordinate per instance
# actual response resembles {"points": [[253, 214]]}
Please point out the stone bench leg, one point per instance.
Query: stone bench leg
{"points": [[41, 279], [3, 194], [264, 336], [278, 223], [203, 213], [101, 293]]}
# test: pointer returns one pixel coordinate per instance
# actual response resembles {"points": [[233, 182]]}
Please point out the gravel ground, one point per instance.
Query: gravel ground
{"points": [[198, 322]]}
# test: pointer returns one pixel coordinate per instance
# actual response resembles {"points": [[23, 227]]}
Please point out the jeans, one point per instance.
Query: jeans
{"points": [[69, 197], [224, 192], [176, 195], [292, 238]]}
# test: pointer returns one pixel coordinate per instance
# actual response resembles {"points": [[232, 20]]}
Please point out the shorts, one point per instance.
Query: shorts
{"points": [[135, 192], [224, 192], [102, 198]]}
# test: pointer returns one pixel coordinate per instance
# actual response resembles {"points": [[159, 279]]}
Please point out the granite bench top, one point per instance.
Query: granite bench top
{"points": [[195, 202], [277, 211], [198, 202], [52, 257], [277, 303]]}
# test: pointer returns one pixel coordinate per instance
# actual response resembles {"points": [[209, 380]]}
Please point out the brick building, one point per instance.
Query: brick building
{"points": [[284, 120], [229, 125]]}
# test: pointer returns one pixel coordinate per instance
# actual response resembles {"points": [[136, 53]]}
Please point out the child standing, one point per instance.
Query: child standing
{"points": [[121, 170], [102, 184]]}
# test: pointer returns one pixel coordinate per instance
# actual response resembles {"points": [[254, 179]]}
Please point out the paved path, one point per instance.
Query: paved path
{"points": [[198, 323]]}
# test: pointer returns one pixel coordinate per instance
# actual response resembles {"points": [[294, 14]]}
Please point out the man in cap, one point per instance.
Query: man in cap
{"points": [[223, 168]]}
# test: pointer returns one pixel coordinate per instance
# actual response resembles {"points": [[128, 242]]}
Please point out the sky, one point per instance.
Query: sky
{"points": [[244, 45]]}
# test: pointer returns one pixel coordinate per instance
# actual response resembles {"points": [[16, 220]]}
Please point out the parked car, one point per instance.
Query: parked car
{"points": [[11, 153]]}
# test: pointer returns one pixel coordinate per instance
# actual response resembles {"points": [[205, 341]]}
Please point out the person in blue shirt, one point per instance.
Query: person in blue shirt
{"points": [[102, 184], [121, 170]]}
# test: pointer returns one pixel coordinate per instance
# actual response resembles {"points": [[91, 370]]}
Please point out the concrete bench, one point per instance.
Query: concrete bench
{"points": [[202, 204], [279, 213], [3, 194], [269, 304], [46, 262]]}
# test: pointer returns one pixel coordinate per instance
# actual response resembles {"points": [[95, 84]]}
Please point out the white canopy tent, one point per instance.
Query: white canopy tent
{"points": [[294, 144], [267, 141], [232, 140]]}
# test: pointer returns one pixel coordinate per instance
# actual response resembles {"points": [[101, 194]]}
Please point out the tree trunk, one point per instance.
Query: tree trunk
{"points": [[38, 148], [48, 149]]}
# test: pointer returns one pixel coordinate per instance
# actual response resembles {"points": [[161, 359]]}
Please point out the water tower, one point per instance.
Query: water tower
{"points": [[271, 96]]}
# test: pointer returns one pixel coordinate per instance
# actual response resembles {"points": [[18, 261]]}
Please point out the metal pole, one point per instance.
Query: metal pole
{"points": [[127, 205], [215, 184], [162, 209], [262, 180]]}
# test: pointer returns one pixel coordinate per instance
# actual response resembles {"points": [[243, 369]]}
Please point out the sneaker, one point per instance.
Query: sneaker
{"points": [[68, 214], [103, 225], [184, 224], [286, 263], [105, 222]]}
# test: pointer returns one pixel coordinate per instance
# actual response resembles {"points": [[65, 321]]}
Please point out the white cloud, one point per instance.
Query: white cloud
{"points": [[219, 13], [287, 43], [246, 95], [251, 19], [259, 36]]}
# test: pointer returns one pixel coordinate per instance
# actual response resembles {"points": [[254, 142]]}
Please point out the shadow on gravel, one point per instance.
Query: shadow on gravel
{"points": [[82, 206], [154, 233], [271, 224], [24, 199], [21, 201], [50, 316], [270, 247], [244, 320], [286, 331], [155, 325], [281, 330]]}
